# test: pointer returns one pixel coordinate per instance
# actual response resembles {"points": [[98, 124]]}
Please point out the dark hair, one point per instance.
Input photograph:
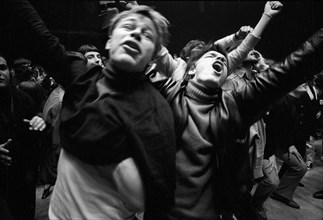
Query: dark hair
{"points": [[196, 56], [186, 51], [20, 61], [36, 92], [87, 48], [160, 22], [22, 72], [2, 55]]}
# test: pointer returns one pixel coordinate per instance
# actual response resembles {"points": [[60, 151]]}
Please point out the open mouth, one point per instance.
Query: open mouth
{"points": [[132, 46], [217, 66]]}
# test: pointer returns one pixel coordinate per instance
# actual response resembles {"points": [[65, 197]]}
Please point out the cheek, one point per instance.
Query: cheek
{"points": [[224, 75], [6, 76], [148, 50]]}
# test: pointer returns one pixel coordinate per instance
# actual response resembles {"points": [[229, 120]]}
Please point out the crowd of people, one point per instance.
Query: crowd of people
{"points": [[141, 134]]}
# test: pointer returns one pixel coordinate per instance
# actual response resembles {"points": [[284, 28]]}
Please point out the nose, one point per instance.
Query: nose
{"points": [[221, 58], [96, 60], [136, 34]]}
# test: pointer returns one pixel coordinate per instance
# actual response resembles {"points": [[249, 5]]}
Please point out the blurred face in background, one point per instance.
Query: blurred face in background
{"points": [[93, 58], [4, 73], [39, 74], [252, 58]]}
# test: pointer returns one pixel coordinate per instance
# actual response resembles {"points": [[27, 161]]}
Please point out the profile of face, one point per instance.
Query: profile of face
{"points": [[210, 70], [39, 74], [132, 43], [4, 73], [93, 58]]}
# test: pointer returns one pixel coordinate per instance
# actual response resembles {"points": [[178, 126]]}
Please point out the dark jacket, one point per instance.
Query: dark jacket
{"points": [[18, 181], [207, 121], [104, 128], [291, 121]]}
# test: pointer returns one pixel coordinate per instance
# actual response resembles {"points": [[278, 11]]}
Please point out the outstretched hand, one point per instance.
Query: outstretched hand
{"points": [[272, 164], [36, 123], [4, 152], [272, 8]]}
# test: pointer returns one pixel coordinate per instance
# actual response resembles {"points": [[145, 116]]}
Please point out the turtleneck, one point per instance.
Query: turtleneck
{"points": [[118, 79], [201, 93]]}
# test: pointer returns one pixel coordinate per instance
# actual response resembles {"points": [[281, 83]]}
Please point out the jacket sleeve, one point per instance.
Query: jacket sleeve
{"points": [[236, 56], [226, 41], [254, 99], [231, 83], [165, 85], [45, 46], [169, 66]]}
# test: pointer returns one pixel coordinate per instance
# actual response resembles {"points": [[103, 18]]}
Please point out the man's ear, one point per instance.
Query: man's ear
{"points": [[192, 70], [108, 45]]}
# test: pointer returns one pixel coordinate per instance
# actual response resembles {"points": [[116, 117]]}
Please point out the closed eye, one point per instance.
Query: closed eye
{"points": [[147, 34], [128, 26]]}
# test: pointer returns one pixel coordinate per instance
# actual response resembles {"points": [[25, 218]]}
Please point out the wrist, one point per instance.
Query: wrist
{"points": [[268, 15]]}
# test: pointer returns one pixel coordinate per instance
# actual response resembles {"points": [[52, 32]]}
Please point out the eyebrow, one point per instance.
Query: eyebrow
{"points": [[148, 27], [212, 52]]}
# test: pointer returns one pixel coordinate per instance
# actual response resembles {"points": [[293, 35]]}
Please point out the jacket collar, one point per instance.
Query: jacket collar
{"points": [[311, 92], [242, 73]]}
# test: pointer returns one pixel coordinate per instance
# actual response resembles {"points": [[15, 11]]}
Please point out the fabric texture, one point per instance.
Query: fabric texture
{"points": [[103, 129], [213, 119]]}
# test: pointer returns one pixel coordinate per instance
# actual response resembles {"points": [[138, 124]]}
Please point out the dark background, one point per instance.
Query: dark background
{"points": [[77, 22]]}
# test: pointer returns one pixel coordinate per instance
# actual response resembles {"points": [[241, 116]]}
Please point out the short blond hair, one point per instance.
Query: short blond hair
{"points": [[160, 22]]}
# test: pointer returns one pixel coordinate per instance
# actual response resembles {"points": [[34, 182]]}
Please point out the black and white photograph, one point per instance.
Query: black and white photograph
{"points": [[161, 110]]}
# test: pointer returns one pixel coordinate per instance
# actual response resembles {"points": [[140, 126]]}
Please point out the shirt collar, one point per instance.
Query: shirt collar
{"points": [[311, 92], [242, 73]]}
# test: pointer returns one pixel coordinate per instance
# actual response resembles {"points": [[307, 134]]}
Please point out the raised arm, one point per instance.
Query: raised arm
{"points": [[234, 38], [240, 53], [47, 48], [169, 66], [255, 98], [272, 8]]}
